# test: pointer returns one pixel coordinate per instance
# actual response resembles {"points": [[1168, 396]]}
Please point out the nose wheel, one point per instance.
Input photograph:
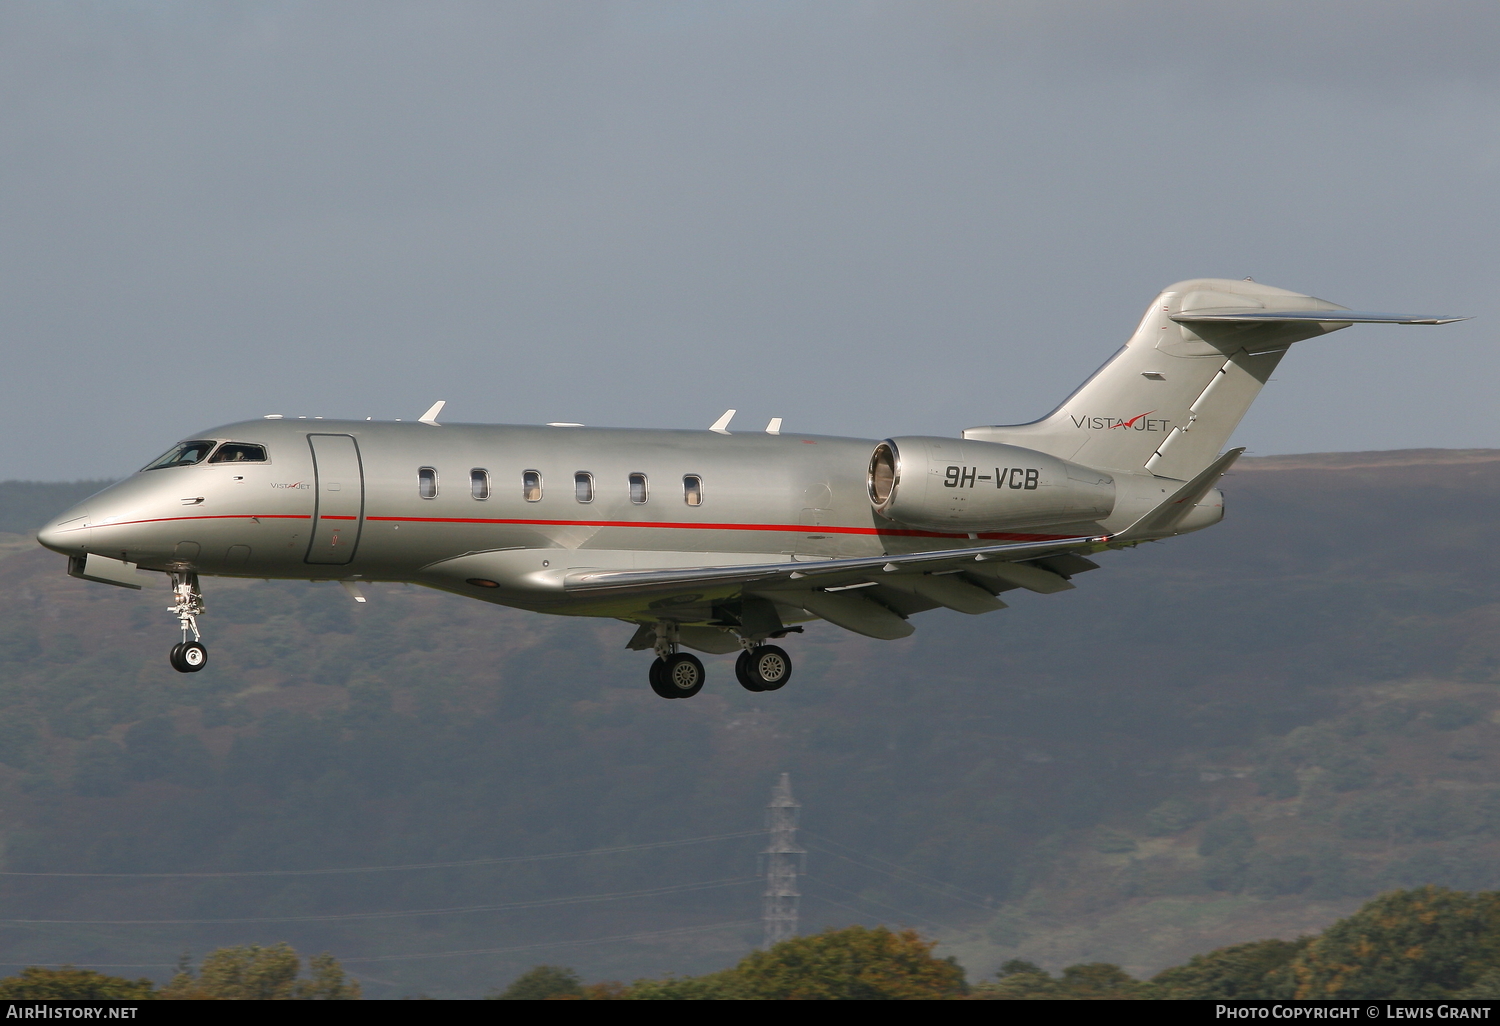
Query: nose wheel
{"points": [[187, 605], [188, 657]]}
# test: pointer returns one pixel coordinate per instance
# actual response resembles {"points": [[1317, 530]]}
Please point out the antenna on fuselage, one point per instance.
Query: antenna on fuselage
{"points": [[721, 426], [774, 428], [430, 417]]}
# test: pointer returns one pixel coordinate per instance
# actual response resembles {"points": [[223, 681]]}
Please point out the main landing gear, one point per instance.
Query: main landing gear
{"points": [[763, 668], [677, 674], [187, 603]]}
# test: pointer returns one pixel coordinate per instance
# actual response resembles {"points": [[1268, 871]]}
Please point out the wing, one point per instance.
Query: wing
{"points": [[874, 595], [871, 596], [820, 573]]}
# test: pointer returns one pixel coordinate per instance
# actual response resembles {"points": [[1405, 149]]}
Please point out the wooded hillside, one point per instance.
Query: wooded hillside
{"points": [[1235, 735]]}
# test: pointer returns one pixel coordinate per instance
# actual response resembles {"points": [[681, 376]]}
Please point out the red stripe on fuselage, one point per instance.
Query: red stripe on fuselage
{"points": [[658, 525], [672, 525]]}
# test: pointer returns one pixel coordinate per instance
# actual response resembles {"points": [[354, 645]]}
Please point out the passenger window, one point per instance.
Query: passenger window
{"points": [[638, 488], [583, 486], [183, 454], [427, 482], [479, 483], [239, 452], [692, 490], [531, 486]]}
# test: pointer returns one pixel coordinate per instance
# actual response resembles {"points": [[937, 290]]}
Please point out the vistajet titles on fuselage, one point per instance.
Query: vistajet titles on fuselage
{"points": [[715, 540]]}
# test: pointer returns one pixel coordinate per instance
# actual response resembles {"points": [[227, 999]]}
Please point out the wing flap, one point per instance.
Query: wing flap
{"points": [[853, 612], [819, 573], [949, 590]]}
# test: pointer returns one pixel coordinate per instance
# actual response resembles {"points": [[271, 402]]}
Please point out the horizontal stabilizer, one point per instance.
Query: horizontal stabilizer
{"points": [[1256, 315], [1163, 519]]}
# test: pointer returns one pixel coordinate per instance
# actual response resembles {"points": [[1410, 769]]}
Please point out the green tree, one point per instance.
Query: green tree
{"points": [[857, 963], [1237, 972], [1425, 943], [254, 973], [326, 981], [1019, 980], [1093, 981], [68, 984], [541, 983], [720, 986]]}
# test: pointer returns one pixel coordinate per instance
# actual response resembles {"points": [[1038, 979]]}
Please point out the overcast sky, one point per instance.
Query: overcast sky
{"points": [[866, 218]]}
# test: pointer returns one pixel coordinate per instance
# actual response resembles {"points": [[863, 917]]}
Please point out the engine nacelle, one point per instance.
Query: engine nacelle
{"points": [[953, 484]]}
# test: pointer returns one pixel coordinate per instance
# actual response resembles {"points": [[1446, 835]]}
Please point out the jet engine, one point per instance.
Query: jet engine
{"points": [[953, 484]]}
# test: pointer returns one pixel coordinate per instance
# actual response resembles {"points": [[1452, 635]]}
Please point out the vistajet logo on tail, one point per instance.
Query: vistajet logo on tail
{"points": [[1140, 422]]}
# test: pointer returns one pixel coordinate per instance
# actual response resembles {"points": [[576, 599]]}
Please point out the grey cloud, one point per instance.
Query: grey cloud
{"points": [[865, 218]]}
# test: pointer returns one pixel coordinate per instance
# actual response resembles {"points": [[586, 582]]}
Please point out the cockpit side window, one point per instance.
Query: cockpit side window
{"points": [[239, 452], [183, 454]]}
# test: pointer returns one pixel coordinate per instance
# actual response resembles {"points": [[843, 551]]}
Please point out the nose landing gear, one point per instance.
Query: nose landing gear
{"points": [[187, 603]]}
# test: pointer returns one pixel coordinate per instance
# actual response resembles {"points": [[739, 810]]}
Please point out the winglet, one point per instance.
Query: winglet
{"points": [[1163, 518], [721, 425], [430, 417]]}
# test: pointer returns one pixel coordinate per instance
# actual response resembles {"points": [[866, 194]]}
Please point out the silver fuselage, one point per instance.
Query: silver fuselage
{"points": [[763, 496]]}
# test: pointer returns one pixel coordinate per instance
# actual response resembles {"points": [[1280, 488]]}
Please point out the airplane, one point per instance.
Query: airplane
{"points": [[714, 540]]}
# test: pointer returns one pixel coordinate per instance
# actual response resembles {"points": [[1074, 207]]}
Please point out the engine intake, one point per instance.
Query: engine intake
{"points": [[953, 484]]}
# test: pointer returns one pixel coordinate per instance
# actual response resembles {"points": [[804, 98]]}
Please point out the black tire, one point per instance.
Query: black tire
{"points": [[191, 657], [744, 674], [175, 659], [769, 667], [658, 678], [684, 675]]}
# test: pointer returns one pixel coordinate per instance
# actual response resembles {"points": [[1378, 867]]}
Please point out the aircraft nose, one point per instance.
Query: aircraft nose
{"points": [[68, 533]]}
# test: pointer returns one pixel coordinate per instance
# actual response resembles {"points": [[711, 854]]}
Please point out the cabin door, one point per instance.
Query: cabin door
{"points": [[339, 510]]}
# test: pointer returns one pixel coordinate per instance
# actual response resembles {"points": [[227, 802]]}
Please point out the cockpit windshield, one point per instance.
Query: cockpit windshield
{"points": [[239, 452], [183, 454]]}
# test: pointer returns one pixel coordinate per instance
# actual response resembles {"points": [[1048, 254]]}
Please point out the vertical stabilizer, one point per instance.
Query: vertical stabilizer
{"points": [[1168, 401]]}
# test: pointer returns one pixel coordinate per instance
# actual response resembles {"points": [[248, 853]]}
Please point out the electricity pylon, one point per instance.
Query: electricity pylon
{"points": [[779, 908]]}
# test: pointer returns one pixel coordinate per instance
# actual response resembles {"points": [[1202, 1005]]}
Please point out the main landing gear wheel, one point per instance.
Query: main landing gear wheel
{"points": [[763, 668], [678, 676], [658, 678], [188, 657]]}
